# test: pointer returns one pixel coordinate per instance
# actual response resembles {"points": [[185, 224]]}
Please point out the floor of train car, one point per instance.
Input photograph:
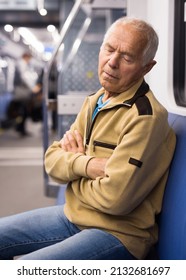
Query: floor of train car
{"points": [[21, 171]]}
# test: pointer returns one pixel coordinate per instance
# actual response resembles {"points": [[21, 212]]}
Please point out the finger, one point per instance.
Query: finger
{"points": [[79, 140], [62, 144], [67, 143], [71, 140]]}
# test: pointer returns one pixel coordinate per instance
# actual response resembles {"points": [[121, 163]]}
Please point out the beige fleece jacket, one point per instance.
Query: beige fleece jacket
{"points": [[139, 143]]}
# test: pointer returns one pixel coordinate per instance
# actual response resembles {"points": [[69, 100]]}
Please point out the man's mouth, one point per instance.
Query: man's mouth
{"points": [[110, 75]]}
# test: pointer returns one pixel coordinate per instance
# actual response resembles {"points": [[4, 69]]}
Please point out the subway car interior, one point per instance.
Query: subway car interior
{"points": [[64, 38]]}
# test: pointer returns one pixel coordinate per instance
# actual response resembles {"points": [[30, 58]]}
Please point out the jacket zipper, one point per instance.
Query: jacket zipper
{"points": [[92, 124]]}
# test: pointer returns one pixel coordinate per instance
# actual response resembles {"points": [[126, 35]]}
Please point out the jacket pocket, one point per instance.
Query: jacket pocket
{"points": [[103, 145]]}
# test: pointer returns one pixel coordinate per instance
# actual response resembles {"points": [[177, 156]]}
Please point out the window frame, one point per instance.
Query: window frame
{"points": [[179, 53]]}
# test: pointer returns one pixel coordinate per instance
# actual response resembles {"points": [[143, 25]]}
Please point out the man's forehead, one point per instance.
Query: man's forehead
{"points": [[120, 41]]}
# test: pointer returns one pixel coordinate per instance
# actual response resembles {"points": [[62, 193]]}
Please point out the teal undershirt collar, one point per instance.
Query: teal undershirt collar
{"points": [[100, 104]]}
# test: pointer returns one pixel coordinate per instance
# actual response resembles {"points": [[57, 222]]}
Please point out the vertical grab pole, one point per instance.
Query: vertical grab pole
{"points": [[47, 69]]}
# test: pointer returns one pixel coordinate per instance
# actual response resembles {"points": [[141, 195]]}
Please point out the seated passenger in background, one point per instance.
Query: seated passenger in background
{"points": [[115, 159]]}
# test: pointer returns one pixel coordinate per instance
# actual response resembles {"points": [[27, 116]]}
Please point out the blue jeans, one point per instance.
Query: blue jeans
{"points": [[46, 234]]}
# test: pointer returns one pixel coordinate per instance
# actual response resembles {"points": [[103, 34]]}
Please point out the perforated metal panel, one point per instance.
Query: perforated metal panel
{"points": [[82, 73], [80, 77]]}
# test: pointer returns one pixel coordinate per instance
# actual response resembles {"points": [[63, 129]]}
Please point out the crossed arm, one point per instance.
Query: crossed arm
{"points": [[73, 142]]}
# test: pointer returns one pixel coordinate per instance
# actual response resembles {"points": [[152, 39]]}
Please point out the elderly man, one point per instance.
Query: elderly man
{"points": [[115, 159]]}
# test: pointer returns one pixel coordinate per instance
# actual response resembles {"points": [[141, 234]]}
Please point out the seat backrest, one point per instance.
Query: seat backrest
{"points": [[172, 220]]}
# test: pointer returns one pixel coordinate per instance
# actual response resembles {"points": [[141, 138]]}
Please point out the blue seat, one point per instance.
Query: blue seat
{"points": [[60, 200], [172, 220]]}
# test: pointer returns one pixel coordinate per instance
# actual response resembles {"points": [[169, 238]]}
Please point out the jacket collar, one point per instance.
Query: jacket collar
{"points": [[141, 91], [126, 98]]}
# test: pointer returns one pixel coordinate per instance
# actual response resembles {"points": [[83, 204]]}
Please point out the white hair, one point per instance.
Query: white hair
{"points": [[147, 32]]}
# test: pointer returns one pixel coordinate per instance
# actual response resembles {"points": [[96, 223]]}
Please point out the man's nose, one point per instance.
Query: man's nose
{"points": [[114, 60]]}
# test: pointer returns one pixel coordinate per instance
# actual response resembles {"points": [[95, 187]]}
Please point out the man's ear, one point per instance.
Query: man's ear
{"points": [[149, 66]]}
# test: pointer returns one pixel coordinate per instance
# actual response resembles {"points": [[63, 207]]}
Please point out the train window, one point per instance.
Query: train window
{"points": [[179, 73]]}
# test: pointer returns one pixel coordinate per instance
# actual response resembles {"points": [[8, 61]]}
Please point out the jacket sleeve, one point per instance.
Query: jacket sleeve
{"points": [[59, 164], [137, 165]]}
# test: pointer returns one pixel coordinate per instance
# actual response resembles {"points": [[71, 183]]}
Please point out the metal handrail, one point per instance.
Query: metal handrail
{"points": [[77, 43], [63, 33], [47, 70], [48, 67]]}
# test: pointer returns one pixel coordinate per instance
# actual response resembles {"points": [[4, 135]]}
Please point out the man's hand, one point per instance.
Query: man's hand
{"points": [[96, 167], [72, 142]]}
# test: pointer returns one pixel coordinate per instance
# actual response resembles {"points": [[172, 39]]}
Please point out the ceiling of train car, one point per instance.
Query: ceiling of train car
{"points": [[25, 13]]}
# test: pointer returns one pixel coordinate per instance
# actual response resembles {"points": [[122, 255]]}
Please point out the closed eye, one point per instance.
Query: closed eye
{"points": [[127, 57], [107, 47]]}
